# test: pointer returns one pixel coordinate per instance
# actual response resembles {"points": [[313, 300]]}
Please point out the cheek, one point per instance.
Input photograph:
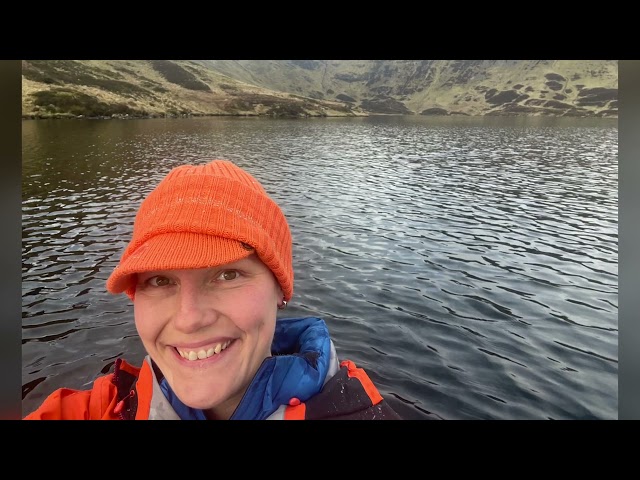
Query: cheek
{"points": [[144, 316], [256, 310]]}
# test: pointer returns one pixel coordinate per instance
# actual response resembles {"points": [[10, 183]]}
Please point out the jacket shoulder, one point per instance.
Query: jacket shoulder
{"points": [[97, 403], [70, 404], [348, 395]]}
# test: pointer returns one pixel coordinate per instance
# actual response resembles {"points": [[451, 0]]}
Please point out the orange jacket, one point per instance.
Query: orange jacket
{"points": [[127, 394], [105, 401]]}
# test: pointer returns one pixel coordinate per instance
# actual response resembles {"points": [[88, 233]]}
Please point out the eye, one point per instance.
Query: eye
{"points": [[158, 281], [228, 275]]}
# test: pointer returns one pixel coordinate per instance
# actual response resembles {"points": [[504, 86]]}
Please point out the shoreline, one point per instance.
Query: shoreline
{"points": [[62, 116]]}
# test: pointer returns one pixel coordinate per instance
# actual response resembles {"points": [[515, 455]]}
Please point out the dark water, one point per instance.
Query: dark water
{"points": [[469, 265]]}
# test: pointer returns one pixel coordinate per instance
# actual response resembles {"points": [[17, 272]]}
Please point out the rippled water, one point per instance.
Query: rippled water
{"points": [[469, 265]]}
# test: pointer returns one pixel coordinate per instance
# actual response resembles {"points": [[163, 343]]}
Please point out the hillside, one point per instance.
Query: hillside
{"points": [[443, 87], [304, 88], [153, 88]]}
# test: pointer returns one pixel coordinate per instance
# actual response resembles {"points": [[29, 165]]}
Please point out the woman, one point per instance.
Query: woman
{"points": [[209, 265]]}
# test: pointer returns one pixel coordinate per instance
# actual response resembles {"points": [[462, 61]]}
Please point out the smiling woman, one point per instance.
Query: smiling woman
{"points": [[207, 268]]}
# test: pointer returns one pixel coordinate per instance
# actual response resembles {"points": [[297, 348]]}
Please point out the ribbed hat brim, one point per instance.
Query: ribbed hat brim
{"points": [[174, 251]]}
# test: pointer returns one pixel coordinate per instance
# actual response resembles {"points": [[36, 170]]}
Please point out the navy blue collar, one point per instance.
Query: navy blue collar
{"points": [[301, 354]]}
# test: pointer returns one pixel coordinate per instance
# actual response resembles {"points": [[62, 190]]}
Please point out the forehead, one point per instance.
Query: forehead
{"points": [[250, 263]]}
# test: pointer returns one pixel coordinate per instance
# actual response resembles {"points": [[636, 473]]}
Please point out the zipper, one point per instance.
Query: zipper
{"points": [[120, 405]]}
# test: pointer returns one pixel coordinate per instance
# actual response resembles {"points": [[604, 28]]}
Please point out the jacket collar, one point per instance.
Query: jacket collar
{"points": [[301, 362]]}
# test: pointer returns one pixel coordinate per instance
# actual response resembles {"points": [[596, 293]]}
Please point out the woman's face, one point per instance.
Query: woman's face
{"points": [[208, 329]]}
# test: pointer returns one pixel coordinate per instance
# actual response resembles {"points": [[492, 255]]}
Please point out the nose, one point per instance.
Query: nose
{"points": [[194, 310]]}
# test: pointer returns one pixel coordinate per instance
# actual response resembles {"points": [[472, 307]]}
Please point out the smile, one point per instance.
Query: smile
{"points": [[201, 354]]}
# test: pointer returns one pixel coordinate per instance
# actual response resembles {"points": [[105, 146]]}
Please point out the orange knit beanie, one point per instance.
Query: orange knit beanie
{"points": [[200, 216]]}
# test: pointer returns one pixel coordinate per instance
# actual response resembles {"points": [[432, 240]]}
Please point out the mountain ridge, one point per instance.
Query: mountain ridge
{"points": [[318, 88]]}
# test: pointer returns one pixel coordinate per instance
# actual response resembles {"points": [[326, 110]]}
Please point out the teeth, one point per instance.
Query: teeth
{"points": [[202, 354]]}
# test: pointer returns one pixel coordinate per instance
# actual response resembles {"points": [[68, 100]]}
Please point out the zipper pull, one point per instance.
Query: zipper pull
{"points": [[120, 405]]}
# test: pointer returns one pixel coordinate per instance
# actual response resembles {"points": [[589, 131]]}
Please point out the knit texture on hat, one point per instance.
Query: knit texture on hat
{"points": [[199, 217]]}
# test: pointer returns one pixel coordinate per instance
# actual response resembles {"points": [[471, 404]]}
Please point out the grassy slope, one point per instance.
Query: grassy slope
{"points": [[312, 88], [152, 88]]}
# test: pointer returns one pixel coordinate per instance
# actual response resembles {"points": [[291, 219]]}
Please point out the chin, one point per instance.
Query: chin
{"points": [[200, 400]]}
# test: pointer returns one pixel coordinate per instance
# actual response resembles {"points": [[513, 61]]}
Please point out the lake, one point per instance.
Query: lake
{"points": [[470, 264]]}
